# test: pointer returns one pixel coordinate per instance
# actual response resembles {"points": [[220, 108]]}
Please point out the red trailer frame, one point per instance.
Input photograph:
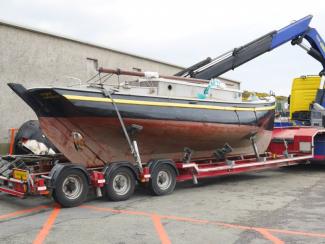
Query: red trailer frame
{"points": [[289, 146]]}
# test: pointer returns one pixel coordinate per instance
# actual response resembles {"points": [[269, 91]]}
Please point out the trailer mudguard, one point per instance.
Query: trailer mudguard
{"points": [[59, 168], [109, 168], [152, 164]]}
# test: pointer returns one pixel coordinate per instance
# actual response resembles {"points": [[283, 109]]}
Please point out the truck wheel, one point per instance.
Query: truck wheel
{"points": [[163, 180], [71, 188], [120, 184]]}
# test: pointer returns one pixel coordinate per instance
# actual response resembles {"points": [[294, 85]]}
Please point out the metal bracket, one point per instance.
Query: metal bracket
{"points": [[230, 163], [195, 181], [132, 144], [188, 152], [220, 153], [285, 152], [253, 140]]}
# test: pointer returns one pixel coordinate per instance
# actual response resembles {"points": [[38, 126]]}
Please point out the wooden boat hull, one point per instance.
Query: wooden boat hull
{"points": [[169, 125]]}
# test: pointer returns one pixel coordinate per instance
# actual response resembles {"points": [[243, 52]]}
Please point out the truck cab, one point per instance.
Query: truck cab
{"points": [[303, 94], [307, 101]]}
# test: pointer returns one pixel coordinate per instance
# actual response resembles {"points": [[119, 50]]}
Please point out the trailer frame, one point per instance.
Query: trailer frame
{"points": [[289, 146]]}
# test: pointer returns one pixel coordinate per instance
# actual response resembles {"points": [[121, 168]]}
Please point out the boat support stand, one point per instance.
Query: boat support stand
{"points": [[186, 160], [257, 155], [132, 144]]}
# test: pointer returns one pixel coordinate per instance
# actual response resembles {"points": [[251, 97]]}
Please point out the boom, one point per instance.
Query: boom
{"points": [[295, 32]]}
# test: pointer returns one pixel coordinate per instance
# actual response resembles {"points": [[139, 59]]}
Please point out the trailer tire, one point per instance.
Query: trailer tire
{"points": [[163, 180], [71, 188], [120, 184]]}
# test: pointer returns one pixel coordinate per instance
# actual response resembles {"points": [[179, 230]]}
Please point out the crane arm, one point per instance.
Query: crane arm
{"points": [[295, 32]]}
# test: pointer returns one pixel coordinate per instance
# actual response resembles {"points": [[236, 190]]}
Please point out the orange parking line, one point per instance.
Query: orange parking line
{"points": [[47, 226], [160, 229], [184, 219], [292, 232], [200, 221], [21, 212], [269, 236], [266, 232], [156, 219], [233, 226]]}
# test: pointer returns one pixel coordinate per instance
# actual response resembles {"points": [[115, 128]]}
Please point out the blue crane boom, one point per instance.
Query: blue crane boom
{"points": [[295, 32]]}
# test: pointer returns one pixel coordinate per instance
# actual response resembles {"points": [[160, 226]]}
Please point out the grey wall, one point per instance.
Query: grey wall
{"points": [[37, 59]]}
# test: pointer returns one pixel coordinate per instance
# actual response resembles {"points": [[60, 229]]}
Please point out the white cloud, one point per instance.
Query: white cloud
{"points": [[181, 32]]}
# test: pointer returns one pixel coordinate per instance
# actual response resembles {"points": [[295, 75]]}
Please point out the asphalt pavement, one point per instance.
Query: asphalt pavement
{"points": [[277, 206]]}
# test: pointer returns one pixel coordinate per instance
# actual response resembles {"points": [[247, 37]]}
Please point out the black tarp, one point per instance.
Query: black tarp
{"points": [[30, 130]]}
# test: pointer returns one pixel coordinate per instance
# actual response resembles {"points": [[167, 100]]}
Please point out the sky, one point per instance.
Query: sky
{"points": [[182, 32]]}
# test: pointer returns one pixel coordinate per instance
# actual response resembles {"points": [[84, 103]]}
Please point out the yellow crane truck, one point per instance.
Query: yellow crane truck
{"points": [[307, 100]]}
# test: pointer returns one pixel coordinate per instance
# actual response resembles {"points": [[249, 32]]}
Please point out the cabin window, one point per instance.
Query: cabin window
{"points": [[170, 87]]}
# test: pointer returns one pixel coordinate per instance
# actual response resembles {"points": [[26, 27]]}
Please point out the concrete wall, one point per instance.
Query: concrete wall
{"points": [[33, 58]]}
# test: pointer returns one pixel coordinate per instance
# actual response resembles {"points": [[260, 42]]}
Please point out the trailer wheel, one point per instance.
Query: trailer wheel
{"points": [[71, 188], [163, 180], [120, 184]]}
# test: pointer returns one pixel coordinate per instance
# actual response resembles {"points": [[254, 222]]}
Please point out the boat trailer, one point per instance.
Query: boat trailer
{"points": [[69, 184]]}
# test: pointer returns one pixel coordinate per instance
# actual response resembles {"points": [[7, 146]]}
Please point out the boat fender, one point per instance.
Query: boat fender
{"points": [[152, 164], [59, 168], [109, 168]]}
